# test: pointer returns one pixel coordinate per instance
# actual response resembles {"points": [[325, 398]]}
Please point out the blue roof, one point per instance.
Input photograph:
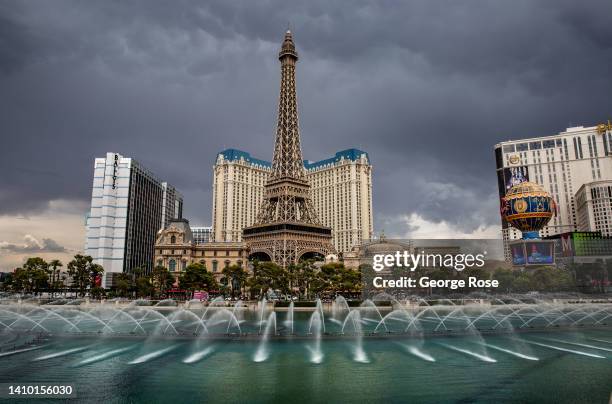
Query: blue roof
{"points": [[233, 155], [348, 154]]}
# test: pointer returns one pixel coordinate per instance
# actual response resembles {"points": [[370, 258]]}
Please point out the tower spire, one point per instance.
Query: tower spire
{"points": [[288, 47], [287, 225], [287, 161]]}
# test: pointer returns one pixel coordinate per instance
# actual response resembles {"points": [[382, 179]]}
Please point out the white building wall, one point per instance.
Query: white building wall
{"points": [[106, 223], [342, 196], [594, 207], [201, 234], [238, 188]]}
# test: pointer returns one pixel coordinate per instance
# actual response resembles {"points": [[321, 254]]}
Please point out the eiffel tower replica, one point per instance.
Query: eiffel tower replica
{"points": [[287, 228]]}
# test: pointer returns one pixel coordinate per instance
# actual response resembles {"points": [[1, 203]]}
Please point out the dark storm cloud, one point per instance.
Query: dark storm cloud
{"points": [[427, 88]]}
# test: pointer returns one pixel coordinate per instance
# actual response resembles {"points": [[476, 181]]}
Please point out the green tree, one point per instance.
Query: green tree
{"points": [[21, 282], [144, 286], [505, 277], [7, 282], [196, 277], [522, 283], [551, 279], [161, 279], [97, 292], [141, 282], [337, 278], [268, 276], [235, 277], [302, 277], [32, 277], [564, 280], [84, 272], [124, 284], [38, 270]]}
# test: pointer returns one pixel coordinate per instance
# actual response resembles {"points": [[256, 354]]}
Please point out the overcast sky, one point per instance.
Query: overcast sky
{"points": [[425, 87]]}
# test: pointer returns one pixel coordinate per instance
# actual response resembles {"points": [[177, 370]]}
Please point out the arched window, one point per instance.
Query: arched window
{"points": [[173, 240], [183, 265], [215, 263], [227, 263], [172, 265]]}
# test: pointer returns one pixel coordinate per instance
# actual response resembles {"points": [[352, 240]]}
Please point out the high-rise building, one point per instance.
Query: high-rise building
{"points": [[201, 234], [341, 189], [238, 188], [172, 204], [562, 164], [129, 205], [594, 207]]}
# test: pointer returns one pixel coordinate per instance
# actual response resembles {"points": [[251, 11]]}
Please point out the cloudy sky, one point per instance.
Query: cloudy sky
{"points": [[426, 87]]}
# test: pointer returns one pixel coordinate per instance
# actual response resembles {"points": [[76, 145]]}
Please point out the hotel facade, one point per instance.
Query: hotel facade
{"points": [[201, 234], [129, 206], [575, 166], [341, 188]]}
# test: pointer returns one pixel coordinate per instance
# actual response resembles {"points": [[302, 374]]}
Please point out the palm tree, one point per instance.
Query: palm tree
{"points": [[55, 275]]}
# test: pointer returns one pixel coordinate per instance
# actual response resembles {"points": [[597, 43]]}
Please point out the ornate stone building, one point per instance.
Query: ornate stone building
{"points": [[287, 227], [175, 249]]}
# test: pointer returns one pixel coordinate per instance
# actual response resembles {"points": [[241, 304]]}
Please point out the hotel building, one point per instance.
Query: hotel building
{"points": [[341, 189], [172, 204], [129, 205], [594, 207], [201, 234], [575, 166]]}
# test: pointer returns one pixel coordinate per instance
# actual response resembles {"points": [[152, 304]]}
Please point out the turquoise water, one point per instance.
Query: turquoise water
{"points": [[463, 369]]}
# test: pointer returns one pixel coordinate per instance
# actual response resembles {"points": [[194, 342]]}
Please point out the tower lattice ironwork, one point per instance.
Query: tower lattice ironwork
{"points": [[287, 226]]}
